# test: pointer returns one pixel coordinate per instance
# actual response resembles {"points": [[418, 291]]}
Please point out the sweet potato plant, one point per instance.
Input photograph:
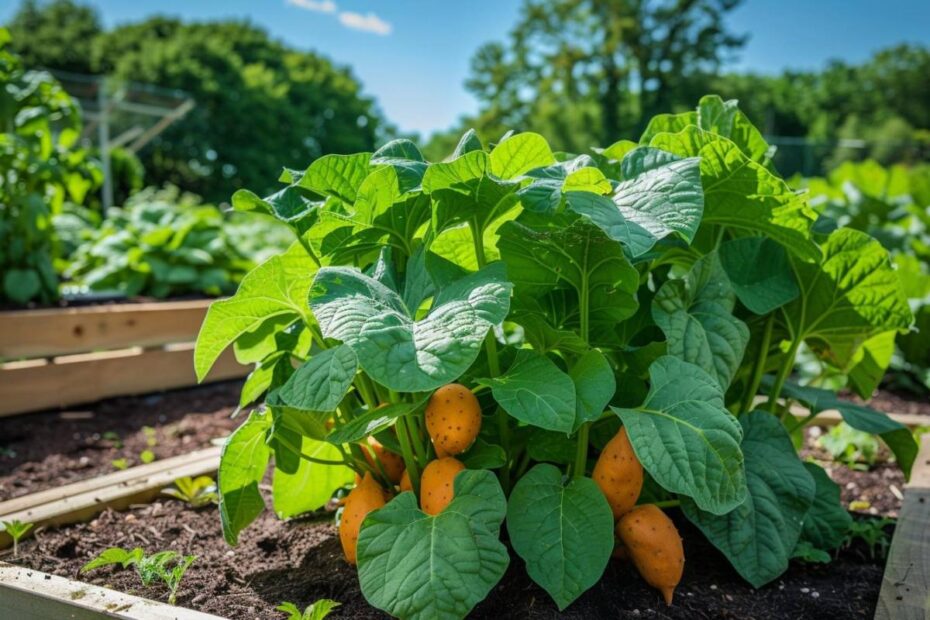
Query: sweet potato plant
{"points": [[467, 342]]}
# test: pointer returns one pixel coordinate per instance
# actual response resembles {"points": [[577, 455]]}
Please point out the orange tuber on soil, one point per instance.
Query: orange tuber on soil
{"points": [[436, 484], [393, 463], [364, 498], [619, 474], [453, 419], [653, 543]]}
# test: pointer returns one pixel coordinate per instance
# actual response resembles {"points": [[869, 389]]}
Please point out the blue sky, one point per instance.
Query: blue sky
{"points": [[413, 55]]}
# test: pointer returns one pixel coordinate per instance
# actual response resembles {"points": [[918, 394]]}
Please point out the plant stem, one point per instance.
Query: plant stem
{"points": [[581, 451], [416, 435], [782, 375], [669, 503], [404, 439], [758, 369]]}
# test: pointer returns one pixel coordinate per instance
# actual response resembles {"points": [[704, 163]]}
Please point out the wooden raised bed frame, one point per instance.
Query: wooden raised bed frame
{"points": [[64, 357]]}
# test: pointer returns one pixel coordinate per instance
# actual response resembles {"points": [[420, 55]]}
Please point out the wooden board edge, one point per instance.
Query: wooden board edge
{"points": [[29, 594]]}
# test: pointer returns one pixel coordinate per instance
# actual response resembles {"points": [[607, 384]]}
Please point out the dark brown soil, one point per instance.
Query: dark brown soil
{"points": [[897, 402], [302, 562], [43, 450]]}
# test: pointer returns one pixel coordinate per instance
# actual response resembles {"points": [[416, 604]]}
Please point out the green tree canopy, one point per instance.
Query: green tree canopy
{"points": [[259, 102]]}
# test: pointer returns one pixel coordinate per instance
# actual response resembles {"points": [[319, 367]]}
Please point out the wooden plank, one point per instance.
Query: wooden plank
{"points": [[115, 479], [87, 378], [33, 595], [82, 500], [905, 593], [61, 331]]}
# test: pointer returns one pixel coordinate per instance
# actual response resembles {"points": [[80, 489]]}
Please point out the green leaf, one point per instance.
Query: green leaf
{"points": [[519, 154], [320, 383], [870, 362], [667, 123], [396, 351], [594, 386], [21, 285], [860, 417], [534, 390], [827, 522], [554, 253], [759, 536], [288, 205], [401, 148], [740, 193], [685, 438], [313, 484], [114, 555], [337, 175], [374, 421], [696, 315], [759, 270], [483, 455], [260, 379], [658, 202], [277, 287], [563, 531], [243, 462], [461, 173], [467, 143], [725, 118], [852, 295], [416, 566]]}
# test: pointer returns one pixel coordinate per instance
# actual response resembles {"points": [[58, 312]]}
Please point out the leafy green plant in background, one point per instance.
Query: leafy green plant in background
{"points": [[196, 492], [661, 285], [856, 449], [163, 243], [167, 567], [16, 529], [41, 170], [892, 205]]}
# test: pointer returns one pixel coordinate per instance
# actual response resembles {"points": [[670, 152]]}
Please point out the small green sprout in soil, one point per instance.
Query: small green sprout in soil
{"points": [[316, 611], [146, 456], [196, 492], [16, 529], [120, 464], [165, 566]]}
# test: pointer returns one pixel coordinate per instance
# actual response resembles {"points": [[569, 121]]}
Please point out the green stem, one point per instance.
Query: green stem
{"points": [[799, 424], [581, 451], [758, 370], [363, 388], [669, 503], [309, 250], [412, 470], [416, 436], [782, 375]]}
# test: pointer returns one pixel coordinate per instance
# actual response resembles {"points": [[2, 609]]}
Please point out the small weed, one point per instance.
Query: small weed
{"points": [[16, 529], [197, 492], [165, 566], [316, 611]]}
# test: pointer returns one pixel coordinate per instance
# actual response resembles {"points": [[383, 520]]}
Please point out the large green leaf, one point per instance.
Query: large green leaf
{"points": [[860, 417], [760, 273], [313, 484], [659, 201], [685, 438], [547, 253], [289, 205], [696, 315], [374, 421], [243, 462], [826, 523], [321, 383], [595, 385], [852, 295], [396, 351], [519, 154], [337, 175], [276, 288], [759, 535], [563, 531], [534, 390], [725, 118], [869, 363], [740, 193], [415, 566]]}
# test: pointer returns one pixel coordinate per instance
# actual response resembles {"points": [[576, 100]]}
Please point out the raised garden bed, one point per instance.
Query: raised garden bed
{"points": [[67, 356]]}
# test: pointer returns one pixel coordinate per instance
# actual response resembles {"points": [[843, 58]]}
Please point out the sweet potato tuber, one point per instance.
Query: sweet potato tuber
{"points": [[436, 484], [653, 543], [619, 474], [364, 498], [405, 484], [393, 463], [453, 419]]}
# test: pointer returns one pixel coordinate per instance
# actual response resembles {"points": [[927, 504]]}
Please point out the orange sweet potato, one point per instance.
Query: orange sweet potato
{"points": [[405, 484], [436, 488], [619, 474], [392, 462], [364, 498], [453, 419], [653, 543]]}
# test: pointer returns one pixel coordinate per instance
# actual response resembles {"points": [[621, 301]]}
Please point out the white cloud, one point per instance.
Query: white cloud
{"points": [[365, 23], [320, 6]]}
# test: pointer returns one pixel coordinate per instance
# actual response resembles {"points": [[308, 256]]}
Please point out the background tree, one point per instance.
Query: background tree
{"points": [[259, 102], [56, 35]]}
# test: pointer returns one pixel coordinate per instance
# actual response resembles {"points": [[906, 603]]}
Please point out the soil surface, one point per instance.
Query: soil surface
{"points": [[43, 450], [302, 561]]}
